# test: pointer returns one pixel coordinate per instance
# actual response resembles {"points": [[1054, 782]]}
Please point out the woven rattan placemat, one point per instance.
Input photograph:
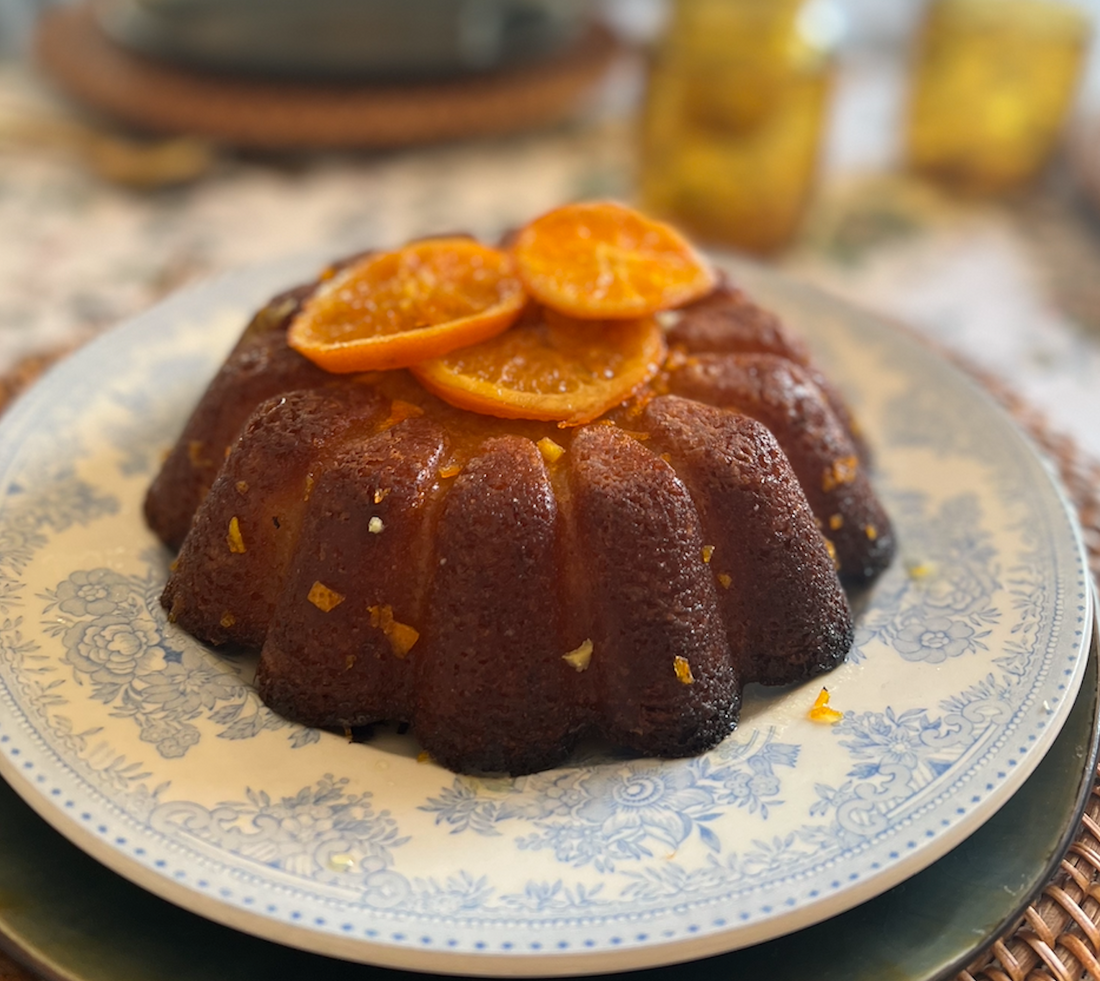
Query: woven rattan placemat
{"points": [[1058, 936]]}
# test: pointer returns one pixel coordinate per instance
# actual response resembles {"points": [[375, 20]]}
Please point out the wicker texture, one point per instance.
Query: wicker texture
{"points": [[1058, 936]]}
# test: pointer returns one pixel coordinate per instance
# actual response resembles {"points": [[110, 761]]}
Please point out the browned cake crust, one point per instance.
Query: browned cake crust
{"points": [[260, 366], [396, 558], [652, 600], [334, 668], [783, 396], [784, 603], [262, 488], [728, 322]]}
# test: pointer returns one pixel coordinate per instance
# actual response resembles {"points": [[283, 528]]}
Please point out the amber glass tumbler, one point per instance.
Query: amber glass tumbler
{"points": [[993, 82], [736, 104]]}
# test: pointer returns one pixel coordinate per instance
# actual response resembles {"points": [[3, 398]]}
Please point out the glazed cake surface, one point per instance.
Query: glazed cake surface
{"points": [[507, 586]]}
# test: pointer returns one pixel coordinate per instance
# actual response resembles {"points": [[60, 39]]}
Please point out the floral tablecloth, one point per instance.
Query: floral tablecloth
{"points": [[1016, 286]]}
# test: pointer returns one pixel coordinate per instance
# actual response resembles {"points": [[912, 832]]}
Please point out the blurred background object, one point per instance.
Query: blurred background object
{"points": [[993, 84], [332, 73], [737, 103], [392, 39], [120, 159]]}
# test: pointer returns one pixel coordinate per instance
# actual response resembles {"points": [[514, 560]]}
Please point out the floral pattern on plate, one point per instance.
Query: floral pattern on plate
{"points": [[155, 755]]}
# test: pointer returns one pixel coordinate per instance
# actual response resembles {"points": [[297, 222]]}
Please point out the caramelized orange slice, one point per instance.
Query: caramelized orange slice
{"points": [[560, 370], [393, 309], [599, 260]]}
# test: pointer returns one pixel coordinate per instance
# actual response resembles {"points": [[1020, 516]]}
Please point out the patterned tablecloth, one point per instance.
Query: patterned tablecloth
{"points": [[1013, 286], [1016, 286]]}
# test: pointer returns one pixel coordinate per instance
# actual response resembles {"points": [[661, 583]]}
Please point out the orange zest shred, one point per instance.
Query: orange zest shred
{"points": [[326, 600], [551, 451], [820, 711], [393, 309], [725, 580], [565, 372], [683, 670], [399, 412], [599, 259], [401, 636], [708, 551], [579, 658], [234, 539], [841, 471], [195, 449], [919, 570]]}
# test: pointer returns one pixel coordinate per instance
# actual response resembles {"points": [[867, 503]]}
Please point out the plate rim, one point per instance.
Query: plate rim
{"points": [[517, 962], [33, 955]]}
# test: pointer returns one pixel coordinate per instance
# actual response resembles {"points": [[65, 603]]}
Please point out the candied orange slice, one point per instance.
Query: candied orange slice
{"points": [[600, 260], [393, 309], [557, 369]]}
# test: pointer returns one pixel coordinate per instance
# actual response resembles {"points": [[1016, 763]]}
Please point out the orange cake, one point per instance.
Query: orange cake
{"points": [[478, 543]]}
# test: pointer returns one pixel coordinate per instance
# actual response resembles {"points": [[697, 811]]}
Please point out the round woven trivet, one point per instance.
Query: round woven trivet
{"points": [[276, 115], [1058, 936]]}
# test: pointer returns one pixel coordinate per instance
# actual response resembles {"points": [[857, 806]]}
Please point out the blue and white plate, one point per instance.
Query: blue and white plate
{"points": [[154, 755]]}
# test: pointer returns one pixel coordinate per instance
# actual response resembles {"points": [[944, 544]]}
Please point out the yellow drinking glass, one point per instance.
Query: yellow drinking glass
{"points": [[737, 100], [993, 83]]}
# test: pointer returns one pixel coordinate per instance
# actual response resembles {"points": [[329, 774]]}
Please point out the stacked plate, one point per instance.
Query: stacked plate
{"points": [[152, 754]]}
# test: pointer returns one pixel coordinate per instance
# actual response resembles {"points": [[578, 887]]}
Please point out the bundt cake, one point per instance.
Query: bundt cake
{"points": [[508, 586]]}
